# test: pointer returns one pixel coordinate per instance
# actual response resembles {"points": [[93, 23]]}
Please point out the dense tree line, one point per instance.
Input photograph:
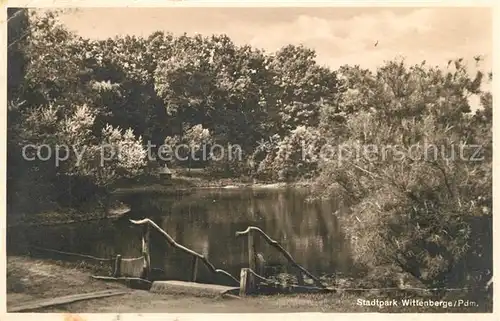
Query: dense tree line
{"points": [[81, 92], [428, 217]]}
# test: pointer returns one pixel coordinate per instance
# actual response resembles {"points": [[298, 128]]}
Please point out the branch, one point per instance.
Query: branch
{"points": [[364, 170], [173, 243], [445, 177], [287, 255]]}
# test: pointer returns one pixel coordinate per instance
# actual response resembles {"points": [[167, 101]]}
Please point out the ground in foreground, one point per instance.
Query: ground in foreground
{"points": [[30, 279]]}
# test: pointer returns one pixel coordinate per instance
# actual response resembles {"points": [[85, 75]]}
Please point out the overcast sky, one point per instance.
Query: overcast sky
{"points": [[339, 35]]}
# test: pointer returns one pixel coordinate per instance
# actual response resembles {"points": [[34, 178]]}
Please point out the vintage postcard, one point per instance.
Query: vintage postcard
{"points": [[248, 158]]}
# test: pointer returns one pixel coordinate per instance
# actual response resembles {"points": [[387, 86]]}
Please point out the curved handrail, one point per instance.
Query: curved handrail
{"points": [[287, 255], [173, 243]]}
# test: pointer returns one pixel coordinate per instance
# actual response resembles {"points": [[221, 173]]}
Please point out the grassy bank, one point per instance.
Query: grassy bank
{"points": [[29, 279], [65, 215]]}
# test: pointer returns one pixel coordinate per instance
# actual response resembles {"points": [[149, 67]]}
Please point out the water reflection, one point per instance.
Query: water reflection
{"points": [[206, 221]]}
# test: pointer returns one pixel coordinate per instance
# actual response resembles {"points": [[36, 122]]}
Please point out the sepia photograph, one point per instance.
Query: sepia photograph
{"points": [[246, 159]]}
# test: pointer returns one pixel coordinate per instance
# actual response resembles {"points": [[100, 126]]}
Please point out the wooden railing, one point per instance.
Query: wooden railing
{"points": [[249, 277], [252, 274], [196, 256]]}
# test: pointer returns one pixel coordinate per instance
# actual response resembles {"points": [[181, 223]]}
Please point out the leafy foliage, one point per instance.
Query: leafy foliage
{"points": [[293, 157], [420, 198]]}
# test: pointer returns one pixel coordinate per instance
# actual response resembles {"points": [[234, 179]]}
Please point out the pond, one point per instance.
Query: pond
{"points": [[206, 221]]}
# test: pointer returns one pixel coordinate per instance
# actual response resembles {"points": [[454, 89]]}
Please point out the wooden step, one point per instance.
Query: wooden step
{"points": [[192, 288]]}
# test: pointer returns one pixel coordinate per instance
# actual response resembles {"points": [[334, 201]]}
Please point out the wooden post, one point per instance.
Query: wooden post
{"points": [[300, 278], [146, 268], [261, 264], [247, 282], [118, 262], [194, 269], [251, 251]]}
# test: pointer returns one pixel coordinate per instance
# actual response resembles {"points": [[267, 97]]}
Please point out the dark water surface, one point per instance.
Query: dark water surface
{"points": [[206, 221]]}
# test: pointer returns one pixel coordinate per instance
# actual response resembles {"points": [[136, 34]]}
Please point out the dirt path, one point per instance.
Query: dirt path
{"points": [[146, 302], [30, 279]]}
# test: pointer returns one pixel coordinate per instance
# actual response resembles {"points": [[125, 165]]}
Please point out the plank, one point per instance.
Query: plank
{"points": [[35, 305], [191, 288]]}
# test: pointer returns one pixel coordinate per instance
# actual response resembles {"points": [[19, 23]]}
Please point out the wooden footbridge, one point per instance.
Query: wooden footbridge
{"points": [[250, 280]]}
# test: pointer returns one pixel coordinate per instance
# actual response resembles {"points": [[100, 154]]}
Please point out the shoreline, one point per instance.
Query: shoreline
{"points": [[63, 216], [167, 189], [177, 185]]}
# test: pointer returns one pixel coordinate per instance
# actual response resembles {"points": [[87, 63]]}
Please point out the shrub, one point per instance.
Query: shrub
{"points": [[294, 157], [413, 204]]}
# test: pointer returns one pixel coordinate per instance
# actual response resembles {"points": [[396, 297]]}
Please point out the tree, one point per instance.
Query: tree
{"points": [[294, 157], [62, 108], [18, 29], [413, 203], [185, 147], [300, 87]]}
